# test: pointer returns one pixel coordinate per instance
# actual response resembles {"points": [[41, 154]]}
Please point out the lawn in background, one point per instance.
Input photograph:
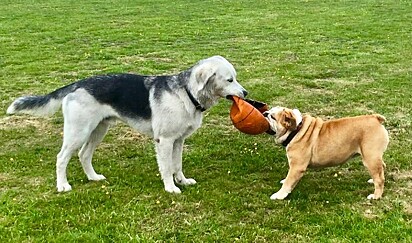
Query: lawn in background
{"points": [[327, 58]]}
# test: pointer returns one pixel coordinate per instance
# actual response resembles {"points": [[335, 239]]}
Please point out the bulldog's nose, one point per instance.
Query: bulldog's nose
{"points": [[244, 93]]}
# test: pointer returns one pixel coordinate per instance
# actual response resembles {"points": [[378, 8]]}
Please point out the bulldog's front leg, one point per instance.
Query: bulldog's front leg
{"points": [[279, 195], [295, 173]]}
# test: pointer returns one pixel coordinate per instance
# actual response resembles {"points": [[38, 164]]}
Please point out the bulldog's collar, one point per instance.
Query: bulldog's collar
{"points": [[292, 135], [194, 101]]}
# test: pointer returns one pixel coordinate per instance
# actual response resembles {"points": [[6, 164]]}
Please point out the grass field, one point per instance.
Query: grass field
{"points": [[327, 58]]}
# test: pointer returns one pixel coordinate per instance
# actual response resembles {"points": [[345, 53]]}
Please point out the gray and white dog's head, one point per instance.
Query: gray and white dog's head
{"points": [[215, 78]]}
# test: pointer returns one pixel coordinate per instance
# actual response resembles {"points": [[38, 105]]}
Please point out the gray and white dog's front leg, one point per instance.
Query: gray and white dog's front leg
{"points": [[164, 154], [177, 164]]}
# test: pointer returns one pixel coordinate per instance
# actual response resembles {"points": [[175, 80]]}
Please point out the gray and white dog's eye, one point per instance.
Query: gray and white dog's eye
{"points": [[230, 80]]}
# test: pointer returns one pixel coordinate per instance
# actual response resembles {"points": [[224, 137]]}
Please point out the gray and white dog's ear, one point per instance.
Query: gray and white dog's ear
{"points": [[203, 76]]}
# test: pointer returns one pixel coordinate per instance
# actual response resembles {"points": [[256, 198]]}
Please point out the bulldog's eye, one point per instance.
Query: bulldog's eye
{"points": [[230, 80]]}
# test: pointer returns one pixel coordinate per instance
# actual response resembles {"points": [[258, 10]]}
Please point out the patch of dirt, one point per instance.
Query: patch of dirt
{"points": [[126, 133], [302, 89], [369, 214], [402, 188], [122, 131], [398, 192], [403, 181], [16, 122], [4, 177], [402, 175], [19, 182]]}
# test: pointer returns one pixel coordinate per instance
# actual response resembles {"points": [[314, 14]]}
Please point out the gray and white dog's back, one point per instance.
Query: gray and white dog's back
{"points": [[167, 108]]}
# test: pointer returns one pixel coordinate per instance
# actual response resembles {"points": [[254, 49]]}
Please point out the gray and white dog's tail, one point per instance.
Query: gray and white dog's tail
{"points": [[42, 105]]}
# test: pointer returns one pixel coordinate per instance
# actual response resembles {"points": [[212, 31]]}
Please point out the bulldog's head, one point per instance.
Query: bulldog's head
{"points": [[283, 120]]}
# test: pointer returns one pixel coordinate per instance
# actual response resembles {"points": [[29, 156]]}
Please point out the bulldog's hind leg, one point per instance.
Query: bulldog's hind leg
{"points": [[375, 166], [372, 148]]}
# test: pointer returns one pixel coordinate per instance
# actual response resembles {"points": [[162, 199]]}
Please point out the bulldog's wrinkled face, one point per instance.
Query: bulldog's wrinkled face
{"points": [[282, 120]]}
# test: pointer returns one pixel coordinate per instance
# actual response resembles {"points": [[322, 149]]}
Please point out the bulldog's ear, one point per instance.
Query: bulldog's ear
{"points": [[298, 116], [203, 76], [288, 120]]}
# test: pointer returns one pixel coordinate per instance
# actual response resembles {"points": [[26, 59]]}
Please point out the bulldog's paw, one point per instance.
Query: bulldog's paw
{"points": [[370, 181], [279, 195], [282, 181], [372, 197]]}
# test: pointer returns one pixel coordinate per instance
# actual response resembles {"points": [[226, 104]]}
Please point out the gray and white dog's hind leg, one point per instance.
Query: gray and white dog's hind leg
{"points": [[88, 148], [80, 128]]}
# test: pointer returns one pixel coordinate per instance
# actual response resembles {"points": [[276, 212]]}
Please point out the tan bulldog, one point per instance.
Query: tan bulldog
{"points": [[312, 142]]}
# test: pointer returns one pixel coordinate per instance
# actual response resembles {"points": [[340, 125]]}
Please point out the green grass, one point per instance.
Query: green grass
{"points": [[327, 58]]}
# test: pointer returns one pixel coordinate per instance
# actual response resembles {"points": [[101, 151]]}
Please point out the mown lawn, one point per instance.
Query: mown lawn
{"points": [[327, 58]]}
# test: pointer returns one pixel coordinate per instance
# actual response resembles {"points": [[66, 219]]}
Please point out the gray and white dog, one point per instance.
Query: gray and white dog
{"points": [[167, 108]]}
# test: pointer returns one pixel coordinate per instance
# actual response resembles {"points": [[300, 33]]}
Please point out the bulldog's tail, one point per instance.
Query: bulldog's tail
{"points": [[380, 118], [42, 105]]}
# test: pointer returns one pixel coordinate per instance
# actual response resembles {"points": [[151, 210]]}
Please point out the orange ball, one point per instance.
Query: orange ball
{"points": [[246, 118]]}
